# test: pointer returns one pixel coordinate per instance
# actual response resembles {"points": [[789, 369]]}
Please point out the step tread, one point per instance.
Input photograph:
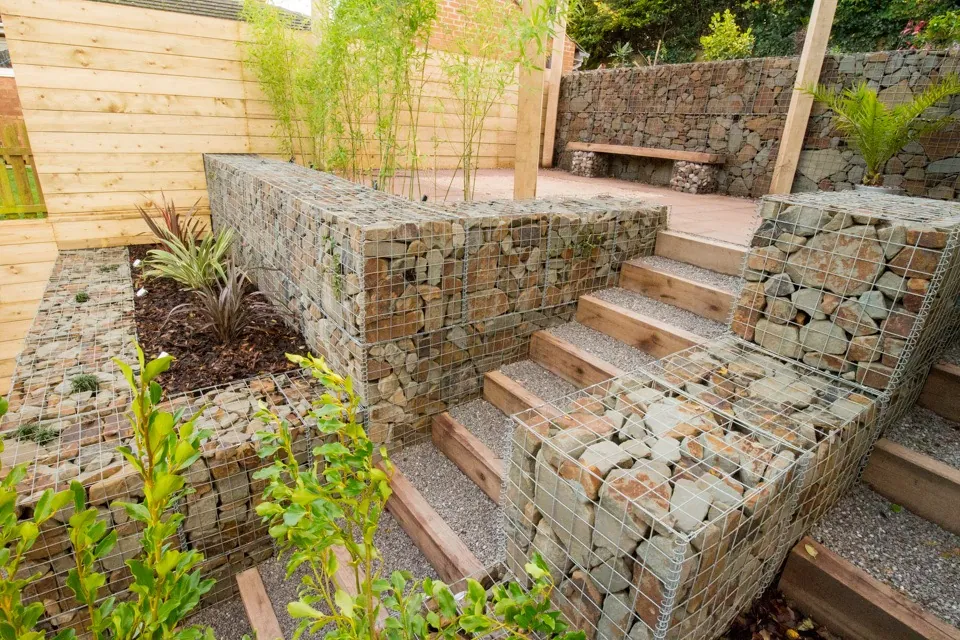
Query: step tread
{"points": [[607, 348], [928, 433], [710, 253], [661, 311], [538, 381], [462, 504], [899, 548], [490, 425], [689, 271]]}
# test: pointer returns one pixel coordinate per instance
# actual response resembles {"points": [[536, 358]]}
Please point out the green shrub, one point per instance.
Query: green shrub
{"points": [[334, 507], [726, 41], [194, 264], [84, 382], [81, 297], [941, 32]]}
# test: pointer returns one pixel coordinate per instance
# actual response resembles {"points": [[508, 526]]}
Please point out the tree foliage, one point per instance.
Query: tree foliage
{"points": [[726, 41]]}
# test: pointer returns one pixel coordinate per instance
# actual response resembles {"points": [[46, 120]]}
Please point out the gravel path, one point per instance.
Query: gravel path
{"points": [[952, 354], [691, 272], [538, 380], [228, 619], [617, 353], [900, 548], [461, 503], [924, 431], [663, 312], [488, 423]]}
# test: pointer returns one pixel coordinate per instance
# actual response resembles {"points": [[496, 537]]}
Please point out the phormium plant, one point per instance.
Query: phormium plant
{"points": [[195, 263], [332, 508], [172, 224]]}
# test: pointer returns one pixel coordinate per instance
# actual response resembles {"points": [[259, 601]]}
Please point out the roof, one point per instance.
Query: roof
{"points": [[225, 9]]}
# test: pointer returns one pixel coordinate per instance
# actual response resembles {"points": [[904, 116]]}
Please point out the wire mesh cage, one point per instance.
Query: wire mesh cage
{"points": [[417, 302], [658, 516], [860, 284]]}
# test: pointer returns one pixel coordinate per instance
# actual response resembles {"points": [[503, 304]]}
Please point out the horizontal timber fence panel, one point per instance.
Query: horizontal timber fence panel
{"points": [[122, 102]]}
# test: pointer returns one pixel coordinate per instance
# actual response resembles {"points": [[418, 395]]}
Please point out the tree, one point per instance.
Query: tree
{"points": [[726, 41]]}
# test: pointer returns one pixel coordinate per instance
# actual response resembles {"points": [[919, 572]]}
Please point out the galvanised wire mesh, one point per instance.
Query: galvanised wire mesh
{"points": [[417, 302], [863, 285], [658, 516]]}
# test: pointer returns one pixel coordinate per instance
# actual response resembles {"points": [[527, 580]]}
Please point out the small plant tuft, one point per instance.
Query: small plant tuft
{"points": [[84, 382], [81, 297], [41, 434], [108, 268]]}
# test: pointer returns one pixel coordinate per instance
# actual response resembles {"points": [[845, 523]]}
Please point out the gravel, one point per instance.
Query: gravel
{"points": [[228, 619], [538, 380], [611, 350], [952, 354], [691, 272], [924, 431], [897, 547], [398, 550], [664, 312], [460, 502], [488, 424]]}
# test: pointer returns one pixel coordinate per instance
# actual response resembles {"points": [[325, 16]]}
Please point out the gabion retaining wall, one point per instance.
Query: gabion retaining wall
{"points": [[417, 302], [64, 436]]}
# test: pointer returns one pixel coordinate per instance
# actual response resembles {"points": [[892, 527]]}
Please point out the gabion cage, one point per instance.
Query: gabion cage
{"points": [[658, 516], [859, 284], [417, 301]]}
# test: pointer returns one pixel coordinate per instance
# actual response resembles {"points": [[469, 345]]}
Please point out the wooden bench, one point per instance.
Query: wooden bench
{"points": [[693, 171]]}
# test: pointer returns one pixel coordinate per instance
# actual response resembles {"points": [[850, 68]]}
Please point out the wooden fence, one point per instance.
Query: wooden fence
{"points": [[20, 194]]}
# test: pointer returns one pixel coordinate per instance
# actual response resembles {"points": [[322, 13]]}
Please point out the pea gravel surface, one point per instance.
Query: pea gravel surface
{"points": [[690, 272], [228, 619], [490, 425], [455, 497], [924, 431], [897, 547], [611, 350], [537, 380], [664, 312]]}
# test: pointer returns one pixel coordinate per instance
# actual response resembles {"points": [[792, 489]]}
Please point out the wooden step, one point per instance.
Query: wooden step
{"points": [[569, 361], [714, 255], [648, 334], [851, 602], [256, 602], [699, 298], [510, 396], [941, 393], [442, 547], [925, 486], [477, 461]]}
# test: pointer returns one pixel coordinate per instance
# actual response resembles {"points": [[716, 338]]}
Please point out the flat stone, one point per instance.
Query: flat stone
{"points": [[808, 301], [926, 236], [828, 362], [615, 618], [630, 502], [917, 289], [893, 239], [546, 543], [823, 336], [781, 339], [913, 262], [675, 418], [865, 349], [875, 304], [853, 318], [788, 242], [689, 505], [593, 465], [846, 263], [779, 285], [666, 450], [802, 221], [769, 259], [487, 304], [874, 374], [779, 310], [892, 285]]}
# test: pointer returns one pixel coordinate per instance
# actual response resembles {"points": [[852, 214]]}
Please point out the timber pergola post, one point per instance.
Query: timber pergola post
{"points": [[553, 92], [795, 127], [529, 111]]}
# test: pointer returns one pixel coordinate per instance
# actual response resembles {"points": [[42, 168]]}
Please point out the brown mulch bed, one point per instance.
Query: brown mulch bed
{"points": [[773, 618], [200, 360]]}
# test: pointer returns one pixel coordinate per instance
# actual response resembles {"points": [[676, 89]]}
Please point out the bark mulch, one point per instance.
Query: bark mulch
{"points": [[773, 618], [200, 360]]}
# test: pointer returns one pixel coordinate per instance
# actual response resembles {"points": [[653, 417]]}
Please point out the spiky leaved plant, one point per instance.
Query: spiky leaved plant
{"points": [[195, 263], [173, 225], [878, 131]]}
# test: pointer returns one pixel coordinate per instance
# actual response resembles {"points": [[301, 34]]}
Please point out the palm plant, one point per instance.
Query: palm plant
{"points": [[878, 131], [194, 264]]}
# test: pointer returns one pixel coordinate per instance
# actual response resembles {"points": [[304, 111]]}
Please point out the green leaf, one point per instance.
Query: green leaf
{"points": [[299, 609], [142, 574], [155, 367], [344, 602]]}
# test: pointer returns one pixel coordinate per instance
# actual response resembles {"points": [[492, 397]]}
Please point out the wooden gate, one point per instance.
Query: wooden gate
{"points": [[20, 195]]}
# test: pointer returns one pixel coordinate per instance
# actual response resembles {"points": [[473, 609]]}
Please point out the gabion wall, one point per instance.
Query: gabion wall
{"points": [[862, 285], [417, 302], [65, 435]]}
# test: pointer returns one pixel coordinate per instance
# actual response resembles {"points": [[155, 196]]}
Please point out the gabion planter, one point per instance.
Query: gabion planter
{"points": [[415, 301]]}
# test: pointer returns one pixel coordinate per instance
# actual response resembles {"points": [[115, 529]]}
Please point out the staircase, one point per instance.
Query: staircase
{"points": [[447, 490]]}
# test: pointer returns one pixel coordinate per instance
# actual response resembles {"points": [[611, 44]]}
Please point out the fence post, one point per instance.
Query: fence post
{"points": [[529, 107], [795, 127], [553, 92]]}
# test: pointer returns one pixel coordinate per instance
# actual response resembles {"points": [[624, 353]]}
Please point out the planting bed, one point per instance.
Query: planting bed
{"points": [[201, 360]]}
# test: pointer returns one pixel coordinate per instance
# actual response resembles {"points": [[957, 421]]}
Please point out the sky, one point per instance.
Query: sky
{"points": [[303, 6]]}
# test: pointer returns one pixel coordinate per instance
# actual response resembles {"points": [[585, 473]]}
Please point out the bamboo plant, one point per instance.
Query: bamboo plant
{"points": [[878, 131]]}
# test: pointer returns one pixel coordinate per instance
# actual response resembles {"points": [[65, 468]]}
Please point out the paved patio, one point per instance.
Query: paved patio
{"points": [[720, 217]]}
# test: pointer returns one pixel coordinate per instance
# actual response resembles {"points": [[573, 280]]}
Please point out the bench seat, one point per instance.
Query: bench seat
{"points": [[647, 152]]}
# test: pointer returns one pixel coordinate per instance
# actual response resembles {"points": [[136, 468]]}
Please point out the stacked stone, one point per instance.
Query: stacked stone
{"points": [[589, 164], [662, 501], [417, 302], [860, 285], [694, 177]]}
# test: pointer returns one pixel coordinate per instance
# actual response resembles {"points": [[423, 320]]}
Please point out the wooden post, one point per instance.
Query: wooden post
{"points": [[553, 93], [529, 107], [811, 61]]}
